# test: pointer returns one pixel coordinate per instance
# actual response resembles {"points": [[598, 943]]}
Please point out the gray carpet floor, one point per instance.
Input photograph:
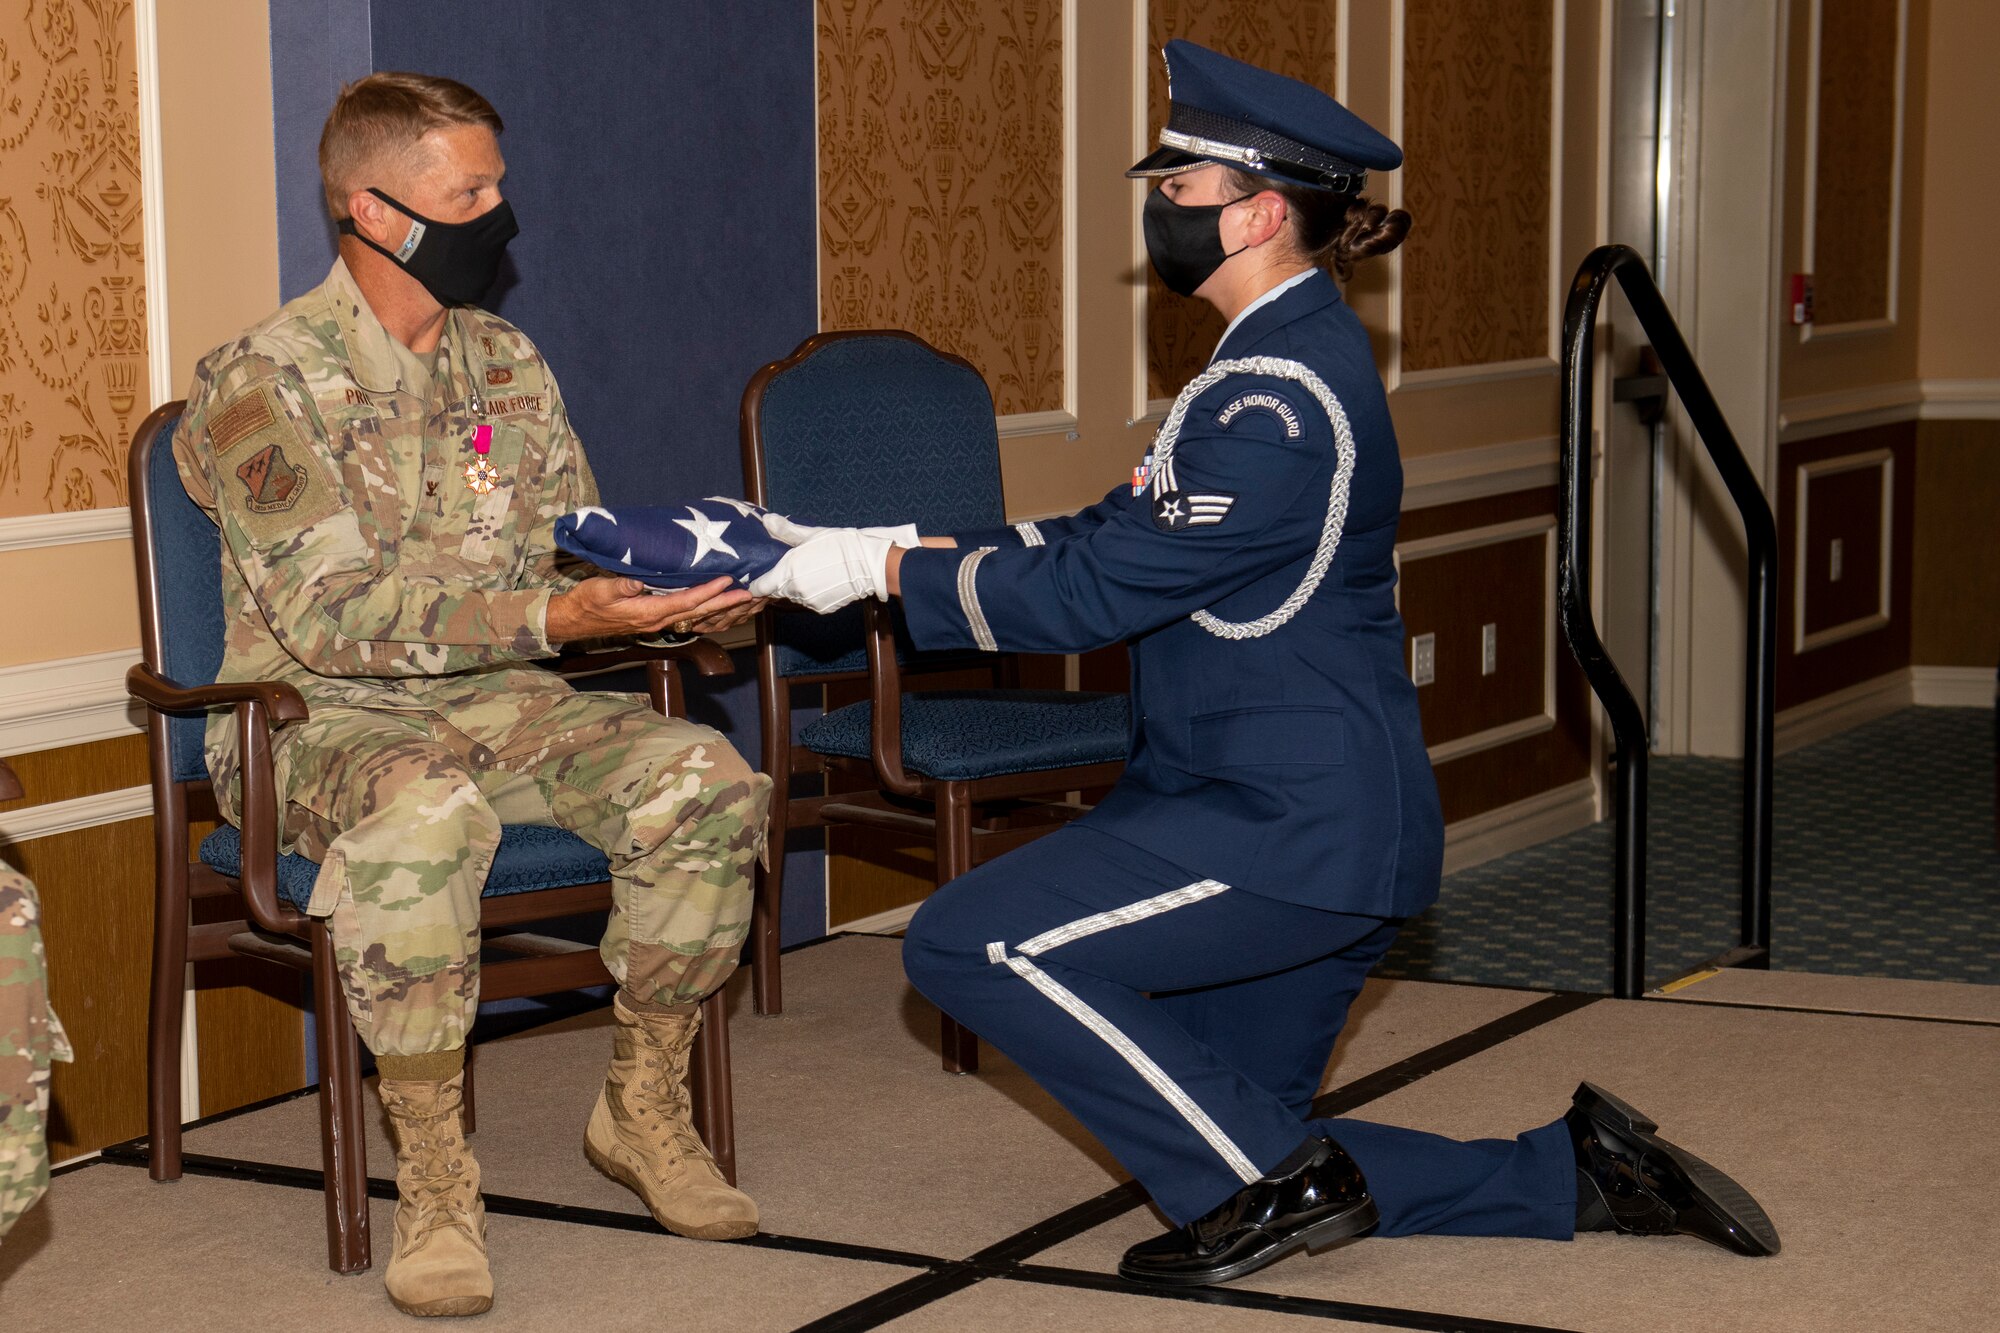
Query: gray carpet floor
{"points": [[1883, 865]]}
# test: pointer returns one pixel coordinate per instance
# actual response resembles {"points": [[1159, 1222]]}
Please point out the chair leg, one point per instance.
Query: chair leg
{"points": [[766, 985], [958, 1044], [165, 1022], [468, 1111], [709, 1085], [767, 988], [343, 1143]]}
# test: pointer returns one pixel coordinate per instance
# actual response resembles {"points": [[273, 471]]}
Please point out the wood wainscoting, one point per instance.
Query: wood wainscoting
{"points": [[96, 888]]}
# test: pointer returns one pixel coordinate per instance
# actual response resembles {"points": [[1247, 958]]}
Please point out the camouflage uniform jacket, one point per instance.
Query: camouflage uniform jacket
{"points": [[361, 561], [30, 1037]]}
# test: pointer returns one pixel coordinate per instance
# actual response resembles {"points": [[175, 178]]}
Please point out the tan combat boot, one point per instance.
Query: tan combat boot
{"points": [[641, 1131], [439, 1263]]}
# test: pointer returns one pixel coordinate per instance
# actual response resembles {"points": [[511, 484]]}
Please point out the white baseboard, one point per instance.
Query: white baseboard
{"points": [[82, 812], [47, 705], [1843, 710], [1952, 687], [890, 922], [1523, 824]]}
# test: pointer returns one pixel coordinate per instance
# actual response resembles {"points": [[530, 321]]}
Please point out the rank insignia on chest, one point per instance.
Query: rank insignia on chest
{"points": [[1175, 511]]}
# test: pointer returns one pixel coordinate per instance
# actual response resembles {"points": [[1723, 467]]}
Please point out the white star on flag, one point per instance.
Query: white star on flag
{"points": [[707, 534], [743, 507]]}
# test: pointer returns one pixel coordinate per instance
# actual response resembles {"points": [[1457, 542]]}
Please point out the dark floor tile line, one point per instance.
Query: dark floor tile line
{"points": [[897, 1301], [1836, 1013], [1394, 1078], [1315, 1307]]}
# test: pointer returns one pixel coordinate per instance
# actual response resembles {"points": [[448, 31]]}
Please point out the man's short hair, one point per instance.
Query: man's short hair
{"points": [[377, 122]]}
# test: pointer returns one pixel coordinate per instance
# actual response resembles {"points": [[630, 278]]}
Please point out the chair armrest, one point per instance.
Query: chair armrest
{"points": [[706, 656], [662, 660], [260, 705], [885, 692], [281, 701]]}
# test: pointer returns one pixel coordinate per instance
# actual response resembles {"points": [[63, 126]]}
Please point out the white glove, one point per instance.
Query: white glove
{"points": [[828, 570], [792, 534]]}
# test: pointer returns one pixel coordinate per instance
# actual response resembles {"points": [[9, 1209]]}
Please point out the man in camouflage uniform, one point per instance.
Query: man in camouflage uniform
{"points": [[386, 462], [30, 1037]]}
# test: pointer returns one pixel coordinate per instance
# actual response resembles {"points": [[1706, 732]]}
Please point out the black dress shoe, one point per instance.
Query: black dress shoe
{"points": [[1323, 1201], [1631, 1180]]}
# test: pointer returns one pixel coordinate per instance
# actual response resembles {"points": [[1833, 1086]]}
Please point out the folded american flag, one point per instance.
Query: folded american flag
{"points": [[673, 546]]}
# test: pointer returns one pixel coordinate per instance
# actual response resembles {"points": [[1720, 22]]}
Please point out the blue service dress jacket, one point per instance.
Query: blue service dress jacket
{"points": [[1289, 763]]}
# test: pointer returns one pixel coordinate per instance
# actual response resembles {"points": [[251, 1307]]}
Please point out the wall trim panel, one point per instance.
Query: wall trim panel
{"points": [[1893, 257], [72, 701], [31, 531], [1885, 461], [1550, 362], [81, 812]]}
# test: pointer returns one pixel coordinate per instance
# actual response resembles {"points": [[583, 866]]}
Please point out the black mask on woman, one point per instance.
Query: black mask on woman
{"points": [[1184, 241], [456, 262]]}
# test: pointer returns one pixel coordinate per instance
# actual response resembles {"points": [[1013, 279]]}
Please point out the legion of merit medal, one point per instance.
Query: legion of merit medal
{"points": [[480, 474]]}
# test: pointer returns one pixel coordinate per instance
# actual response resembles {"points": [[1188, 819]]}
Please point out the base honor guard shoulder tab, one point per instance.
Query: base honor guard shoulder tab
{"points": [[1267, 401]]}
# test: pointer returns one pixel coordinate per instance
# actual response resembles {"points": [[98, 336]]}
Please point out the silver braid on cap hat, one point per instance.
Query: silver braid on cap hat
{"points": [[1277, 367]]}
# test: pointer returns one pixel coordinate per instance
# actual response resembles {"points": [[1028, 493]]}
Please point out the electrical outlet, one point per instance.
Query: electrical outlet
{"points": [[1424, 659], [1833, 561], [1489, 649]]}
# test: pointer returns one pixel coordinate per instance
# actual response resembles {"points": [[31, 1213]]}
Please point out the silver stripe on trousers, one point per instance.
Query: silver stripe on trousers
{"points": [[1121, 916], [1142, 1064]]}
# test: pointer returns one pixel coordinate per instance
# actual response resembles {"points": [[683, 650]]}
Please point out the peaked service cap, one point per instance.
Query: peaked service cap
{"points": [[1222, 110]]}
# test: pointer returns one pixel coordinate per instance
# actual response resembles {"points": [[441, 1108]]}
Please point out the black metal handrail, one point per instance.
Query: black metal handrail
{"points": [[1628, 724]]}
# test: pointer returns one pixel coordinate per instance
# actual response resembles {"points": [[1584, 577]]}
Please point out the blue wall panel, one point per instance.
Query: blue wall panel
{"points": [[661, 160]]}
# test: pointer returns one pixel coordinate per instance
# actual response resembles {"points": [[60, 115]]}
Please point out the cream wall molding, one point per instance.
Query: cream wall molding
{"points": [[1813, 416], [46, 821], [1843, 710], [32, 531], [1960, 400], [1471, 474], [72, 701]]}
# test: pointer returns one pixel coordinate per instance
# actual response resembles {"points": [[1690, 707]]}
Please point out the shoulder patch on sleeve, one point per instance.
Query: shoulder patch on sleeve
{"points": [[251, 412], [1267, 401]]}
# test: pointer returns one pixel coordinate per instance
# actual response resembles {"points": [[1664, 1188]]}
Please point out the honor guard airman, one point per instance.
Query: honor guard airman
{"points": [[1175, 965]]}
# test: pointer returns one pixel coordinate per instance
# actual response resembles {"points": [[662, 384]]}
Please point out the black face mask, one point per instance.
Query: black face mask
{"points": [[455, 261], [1184, 241]]}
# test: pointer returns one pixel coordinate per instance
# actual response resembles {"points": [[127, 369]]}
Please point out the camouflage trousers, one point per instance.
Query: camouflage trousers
{"points": [[403, 813], [30, 1037]]}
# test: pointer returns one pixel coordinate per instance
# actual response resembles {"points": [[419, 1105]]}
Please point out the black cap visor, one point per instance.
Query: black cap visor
{"points": [[1168, 162]]}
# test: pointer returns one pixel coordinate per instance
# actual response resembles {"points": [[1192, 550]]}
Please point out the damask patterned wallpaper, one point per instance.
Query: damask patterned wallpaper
{"points": [[941, 181], [1294, 37], [72, 284], [1477, 181], [1853, 176]]}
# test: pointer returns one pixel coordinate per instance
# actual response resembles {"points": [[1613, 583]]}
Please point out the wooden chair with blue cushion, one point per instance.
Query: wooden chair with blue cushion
{"points": [[539, 873], [879, 427]]}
